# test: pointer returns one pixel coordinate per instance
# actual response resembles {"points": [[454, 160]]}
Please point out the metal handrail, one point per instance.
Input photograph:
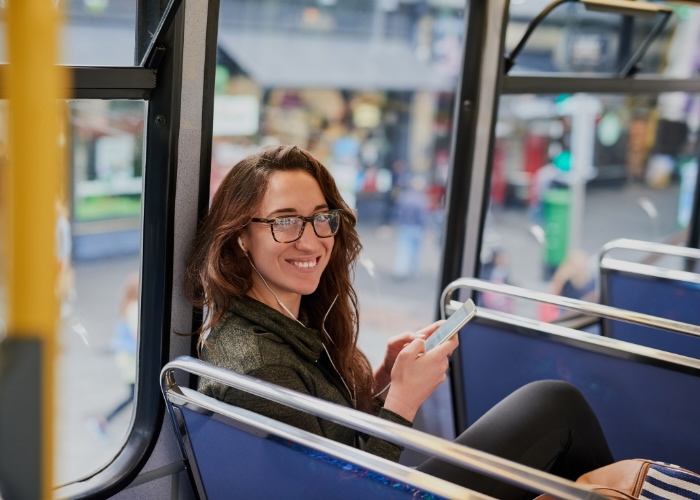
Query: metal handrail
{"points": [[462, 456], [651, 270], [649, 247], [581, 306], [250, 422]]}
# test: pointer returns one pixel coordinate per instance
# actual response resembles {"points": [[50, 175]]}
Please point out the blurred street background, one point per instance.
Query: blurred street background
{"points": [[369, 88], [92, 383]]}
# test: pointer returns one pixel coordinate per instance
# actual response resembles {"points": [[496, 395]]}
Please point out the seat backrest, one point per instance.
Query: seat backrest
{"points": [[646, 400], [651, 290], [232, 452]]}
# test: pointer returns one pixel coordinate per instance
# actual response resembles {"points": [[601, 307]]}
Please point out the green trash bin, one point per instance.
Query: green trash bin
{"points": [[557, 205]]}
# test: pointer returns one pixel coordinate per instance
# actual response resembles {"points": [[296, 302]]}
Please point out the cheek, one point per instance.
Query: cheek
{"points": [[330, 250], [260, 248]]}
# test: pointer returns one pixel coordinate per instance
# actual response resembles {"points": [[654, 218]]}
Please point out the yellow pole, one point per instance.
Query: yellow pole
{"points": [[36, 168]]}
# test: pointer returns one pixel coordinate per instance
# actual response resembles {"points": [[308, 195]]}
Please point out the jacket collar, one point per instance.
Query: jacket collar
{"points": [[305, 341]]}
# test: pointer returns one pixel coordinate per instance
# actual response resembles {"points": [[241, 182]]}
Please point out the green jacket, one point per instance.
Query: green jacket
{"points": [[256, 340]]}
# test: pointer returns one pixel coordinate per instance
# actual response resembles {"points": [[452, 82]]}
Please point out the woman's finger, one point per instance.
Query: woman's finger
{"points": [[404, 337], [427, 331], [447, 347], [414, 349]]}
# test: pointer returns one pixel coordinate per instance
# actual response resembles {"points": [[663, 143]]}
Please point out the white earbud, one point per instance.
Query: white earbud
{"points": [[240, 244]]}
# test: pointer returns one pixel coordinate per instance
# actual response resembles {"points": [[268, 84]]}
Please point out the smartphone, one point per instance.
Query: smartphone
{"points": [[453, 324]]}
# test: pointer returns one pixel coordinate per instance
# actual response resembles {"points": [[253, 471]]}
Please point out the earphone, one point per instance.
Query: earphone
{"points": [[240, 244]]}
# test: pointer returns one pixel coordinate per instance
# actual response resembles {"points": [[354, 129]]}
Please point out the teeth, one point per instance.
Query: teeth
{"points": [[305, 264]]}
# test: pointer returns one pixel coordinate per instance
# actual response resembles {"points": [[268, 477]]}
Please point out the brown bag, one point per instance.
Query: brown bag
{"points": [[639, 478]]}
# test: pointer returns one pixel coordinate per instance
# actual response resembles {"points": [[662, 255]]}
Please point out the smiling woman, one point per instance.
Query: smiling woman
{"points": [[282, 308], [234, 257], [276, 294]]}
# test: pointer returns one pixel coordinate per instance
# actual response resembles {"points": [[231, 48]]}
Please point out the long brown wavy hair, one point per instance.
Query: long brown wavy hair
{"points": [[218, 272]]}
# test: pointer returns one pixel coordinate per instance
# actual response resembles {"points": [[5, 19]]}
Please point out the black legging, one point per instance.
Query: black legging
{"points": [[546, 425]]}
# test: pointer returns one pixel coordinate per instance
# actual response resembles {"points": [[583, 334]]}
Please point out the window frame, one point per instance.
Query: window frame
{"points": [[159, 81]]}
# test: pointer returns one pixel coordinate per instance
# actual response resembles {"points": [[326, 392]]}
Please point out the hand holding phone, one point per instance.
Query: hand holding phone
{"points": [[453, 324]]}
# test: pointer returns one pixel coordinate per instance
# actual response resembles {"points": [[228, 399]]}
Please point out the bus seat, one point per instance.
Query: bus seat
{"points": [[231, 451], [228, 455], [646, 400], [665, 293]]}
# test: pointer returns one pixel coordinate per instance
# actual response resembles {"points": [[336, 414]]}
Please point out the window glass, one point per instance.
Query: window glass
{"points": [[99, 230], [572, 39], [94, 32], [572, 172], [99, 32], [368, 87]]}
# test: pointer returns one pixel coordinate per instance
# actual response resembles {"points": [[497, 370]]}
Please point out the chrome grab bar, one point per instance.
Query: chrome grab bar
{"points": [[511, 472], [649, 247], [567, 303]]}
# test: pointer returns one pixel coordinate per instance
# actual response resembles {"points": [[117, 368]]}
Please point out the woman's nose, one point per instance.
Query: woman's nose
{"points": [[308, 237]]}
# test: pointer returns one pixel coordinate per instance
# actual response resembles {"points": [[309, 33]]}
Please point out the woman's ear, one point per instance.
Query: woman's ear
{"points": [[240, 244]]}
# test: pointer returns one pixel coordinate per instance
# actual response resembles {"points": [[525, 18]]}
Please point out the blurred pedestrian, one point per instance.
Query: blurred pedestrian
{"points": [[411, 219], [65, 285], [573, 279], [123, 346], [497, 270], [399, 182]]}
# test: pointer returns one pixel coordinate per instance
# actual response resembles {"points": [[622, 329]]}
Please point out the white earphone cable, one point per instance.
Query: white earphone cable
{"points": [[273, 293], [353, 393]]}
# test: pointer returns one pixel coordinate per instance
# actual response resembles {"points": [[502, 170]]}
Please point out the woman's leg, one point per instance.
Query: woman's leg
{"points": [[546, 425]]}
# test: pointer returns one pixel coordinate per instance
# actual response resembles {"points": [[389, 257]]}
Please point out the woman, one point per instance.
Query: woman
{"points": [[281, 307]]}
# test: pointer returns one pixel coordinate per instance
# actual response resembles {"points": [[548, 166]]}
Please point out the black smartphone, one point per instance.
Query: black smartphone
{"points": [[453, 324]]}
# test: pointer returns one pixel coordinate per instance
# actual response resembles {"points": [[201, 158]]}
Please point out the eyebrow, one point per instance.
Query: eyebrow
{"points": [[294, 211]]}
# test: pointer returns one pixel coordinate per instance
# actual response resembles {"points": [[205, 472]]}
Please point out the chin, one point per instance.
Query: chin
{"points": [[307, 288]]}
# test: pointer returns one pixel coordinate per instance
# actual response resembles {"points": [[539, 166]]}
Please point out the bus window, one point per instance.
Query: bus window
{"points": [[95, 32], [572, 172], [99, 232], [369, 89], [99, 32]]}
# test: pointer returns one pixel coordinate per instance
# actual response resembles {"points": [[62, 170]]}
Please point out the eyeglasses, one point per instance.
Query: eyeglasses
{"points": [[290, 228]]}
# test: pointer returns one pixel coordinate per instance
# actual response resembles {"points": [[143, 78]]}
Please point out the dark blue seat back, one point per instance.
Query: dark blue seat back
{"points": [[235, 460], [656, 296], [648, 407]]}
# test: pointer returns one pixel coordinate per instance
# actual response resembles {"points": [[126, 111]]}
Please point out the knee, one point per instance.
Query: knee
{"points": [[559, 388], [562, 394]]}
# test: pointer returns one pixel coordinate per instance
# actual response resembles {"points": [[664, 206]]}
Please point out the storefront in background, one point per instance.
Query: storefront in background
{"points": [[107, 154], [370, 116]]}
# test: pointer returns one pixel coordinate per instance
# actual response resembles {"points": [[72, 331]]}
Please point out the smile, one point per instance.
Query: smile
{"points": [[306, 264]]}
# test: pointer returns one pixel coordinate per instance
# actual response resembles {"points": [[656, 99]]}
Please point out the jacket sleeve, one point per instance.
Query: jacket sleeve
{"points": [[387, 449]]}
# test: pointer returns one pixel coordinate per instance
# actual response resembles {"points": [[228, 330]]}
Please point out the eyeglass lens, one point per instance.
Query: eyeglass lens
{"points": [[288, 229]]}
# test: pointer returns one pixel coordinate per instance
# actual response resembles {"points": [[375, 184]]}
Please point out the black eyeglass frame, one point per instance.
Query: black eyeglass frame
{"points": [[304, 220]]}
